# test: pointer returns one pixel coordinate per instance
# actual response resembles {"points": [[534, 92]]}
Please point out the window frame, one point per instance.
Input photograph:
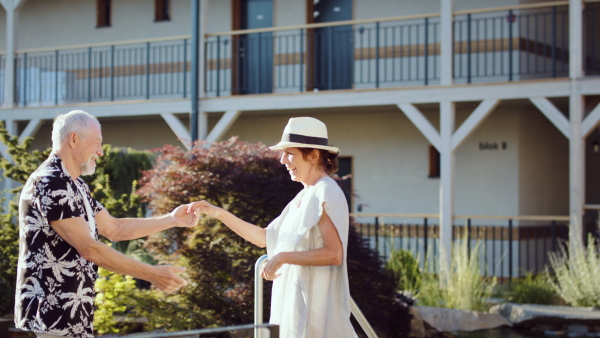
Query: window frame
{"points": [[162, 10], [103, 13], [434, 163]]}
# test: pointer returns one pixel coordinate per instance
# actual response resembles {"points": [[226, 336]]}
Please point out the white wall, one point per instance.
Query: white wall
{"points": [[487, 178], [73, 22], [138, 133], [543, 166], [391, 161]]}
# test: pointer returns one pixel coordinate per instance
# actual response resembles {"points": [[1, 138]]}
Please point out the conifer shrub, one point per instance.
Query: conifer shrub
{"points": [[406, 270]]}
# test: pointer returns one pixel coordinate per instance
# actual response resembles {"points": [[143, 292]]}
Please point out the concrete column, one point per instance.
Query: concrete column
{"points": [[576, 142], [447, 121], [202, 116], [9, 66], [576, 170], [446, 42]]}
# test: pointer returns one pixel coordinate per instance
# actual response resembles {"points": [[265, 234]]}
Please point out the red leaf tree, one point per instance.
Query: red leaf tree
{"points": [[246, 179]]}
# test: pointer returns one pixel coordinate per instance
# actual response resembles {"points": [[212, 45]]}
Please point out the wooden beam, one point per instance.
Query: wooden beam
{"points": [[553, 114], [590, 121], [180, 130], [32, 127], [223, 125], [446, 38], [473, 121], [324, 99], [447, 182], [393, 96], [426, 128]]}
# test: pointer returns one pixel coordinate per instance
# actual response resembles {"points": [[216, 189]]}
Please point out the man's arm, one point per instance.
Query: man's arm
{"points": [[122, 229], [76, 232]]}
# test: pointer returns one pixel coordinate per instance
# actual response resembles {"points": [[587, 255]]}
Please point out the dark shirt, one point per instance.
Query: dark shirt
{"points": [[55, 285]]}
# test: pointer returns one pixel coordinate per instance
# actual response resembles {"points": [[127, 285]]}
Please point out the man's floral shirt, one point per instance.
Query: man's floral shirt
{"points": [[55, 285]]}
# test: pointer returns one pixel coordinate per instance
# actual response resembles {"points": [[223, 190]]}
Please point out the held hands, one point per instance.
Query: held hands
{"points": [[269, 271], [166, 278], [185, 216], [203, 207]]}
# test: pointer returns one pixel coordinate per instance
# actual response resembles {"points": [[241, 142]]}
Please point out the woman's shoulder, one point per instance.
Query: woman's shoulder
{"points": [[328, 186]]}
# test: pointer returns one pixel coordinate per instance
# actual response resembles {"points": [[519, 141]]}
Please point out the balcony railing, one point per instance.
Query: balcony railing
{"points": [[509, 246], [524, 42]]}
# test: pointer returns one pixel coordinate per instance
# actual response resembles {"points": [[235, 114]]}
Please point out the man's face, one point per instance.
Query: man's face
{"points": [[91, 149]]}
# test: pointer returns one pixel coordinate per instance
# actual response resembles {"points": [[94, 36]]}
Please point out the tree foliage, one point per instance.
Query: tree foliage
{"points": [[248, 180]]}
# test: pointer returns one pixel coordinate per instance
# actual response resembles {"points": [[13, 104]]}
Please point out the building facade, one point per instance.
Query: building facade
{"points": [[449, 110]]}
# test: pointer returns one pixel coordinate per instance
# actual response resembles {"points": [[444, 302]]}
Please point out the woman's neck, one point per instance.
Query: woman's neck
{"points": [[313, 179]]}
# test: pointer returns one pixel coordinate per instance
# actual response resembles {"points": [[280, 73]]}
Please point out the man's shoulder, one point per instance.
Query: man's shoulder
{"points": [[49, 171]]}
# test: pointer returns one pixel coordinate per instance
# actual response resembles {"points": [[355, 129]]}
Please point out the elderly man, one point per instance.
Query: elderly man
{"points": [[58, 241]]}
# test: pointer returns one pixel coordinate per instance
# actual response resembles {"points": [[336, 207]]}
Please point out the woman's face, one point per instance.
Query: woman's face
{"points": [[298, 167]]}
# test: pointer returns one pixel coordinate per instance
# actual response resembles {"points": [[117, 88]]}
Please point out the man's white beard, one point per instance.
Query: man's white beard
{"points": [[88, 168]]}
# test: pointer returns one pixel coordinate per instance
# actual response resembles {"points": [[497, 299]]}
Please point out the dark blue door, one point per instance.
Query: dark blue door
{"points": [[333, 46], [255, 51]]}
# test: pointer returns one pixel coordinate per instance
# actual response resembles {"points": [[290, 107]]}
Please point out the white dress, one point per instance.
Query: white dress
{"points": [[311, 301]]}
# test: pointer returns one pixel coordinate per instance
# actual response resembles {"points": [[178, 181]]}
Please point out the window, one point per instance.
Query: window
{"points": [[103, 13], [434, 162], [161, 10]]}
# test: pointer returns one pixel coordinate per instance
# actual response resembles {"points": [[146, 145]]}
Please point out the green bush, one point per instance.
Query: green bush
{"points": [[406, 270], [575, 277], [533, 290], [458, 286], [113, 298]]}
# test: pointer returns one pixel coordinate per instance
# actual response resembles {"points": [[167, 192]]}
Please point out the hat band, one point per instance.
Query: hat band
{"points": [[296, 138]]}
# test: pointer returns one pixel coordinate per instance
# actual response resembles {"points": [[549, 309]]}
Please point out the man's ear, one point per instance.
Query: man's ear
{"points": [[73, 138]]}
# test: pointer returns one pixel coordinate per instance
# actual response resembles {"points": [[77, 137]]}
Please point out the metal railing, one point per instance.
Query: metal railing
{"points": [[258, 302], [502, 44], [509, 246], [269, 330], [140, 70]]}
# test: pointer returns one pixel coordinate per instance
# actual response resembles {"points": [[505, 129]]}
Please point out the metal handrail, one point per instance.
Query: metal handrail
{"points": [[258, 303], [258, 292], [210, 332]]}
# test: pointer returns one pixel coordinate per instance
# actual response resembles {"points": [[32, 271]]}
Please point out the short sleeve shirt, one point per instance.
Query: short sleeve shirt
{"points": [[55, 285]]}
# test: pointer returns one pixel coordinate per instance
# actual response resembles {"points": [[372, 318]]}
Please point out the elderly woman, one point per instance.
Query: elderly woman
{"points": [[307, 243]]}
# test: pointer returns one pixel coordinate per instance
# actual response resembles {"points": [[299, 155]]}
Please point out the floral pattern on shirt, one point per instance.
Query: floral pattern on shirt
{"points": [[55, 285]]}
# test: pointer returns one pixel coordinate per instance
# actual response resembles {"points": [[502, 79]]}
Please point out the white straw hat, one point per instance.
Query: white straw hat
{"points": [[305, 132]]}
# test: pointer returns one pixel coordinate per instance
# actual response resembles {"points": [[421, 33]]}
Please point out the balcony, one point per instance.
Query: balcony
{"points": [[498, 45]]}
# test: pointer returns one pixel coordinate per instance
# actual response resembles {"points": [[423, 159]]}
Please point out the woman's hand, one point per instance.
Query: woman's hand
{"points": [[205, 208], [269, 271], [185, 216]]}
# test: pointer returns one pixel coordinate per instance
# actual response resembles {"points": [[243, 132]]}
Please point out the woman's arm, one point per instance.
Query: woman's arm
{"points": [[250, 232], [330, 254], [120, 229]]}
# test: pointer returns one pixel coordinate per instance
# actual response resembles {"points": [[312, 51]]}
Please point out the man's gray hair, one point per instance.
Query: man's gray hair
{"points": [[73, 121]]}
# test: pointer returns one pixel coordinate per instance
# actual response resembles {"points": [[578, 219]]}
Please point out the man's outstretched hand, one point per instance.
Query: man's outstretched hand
{"points": [[185, 216], [166, 278]]}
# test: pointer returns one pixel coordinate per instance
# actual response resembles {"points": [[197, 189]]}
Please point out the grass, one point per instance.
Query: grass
{"points": [[576, 275], [458, 286]]}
